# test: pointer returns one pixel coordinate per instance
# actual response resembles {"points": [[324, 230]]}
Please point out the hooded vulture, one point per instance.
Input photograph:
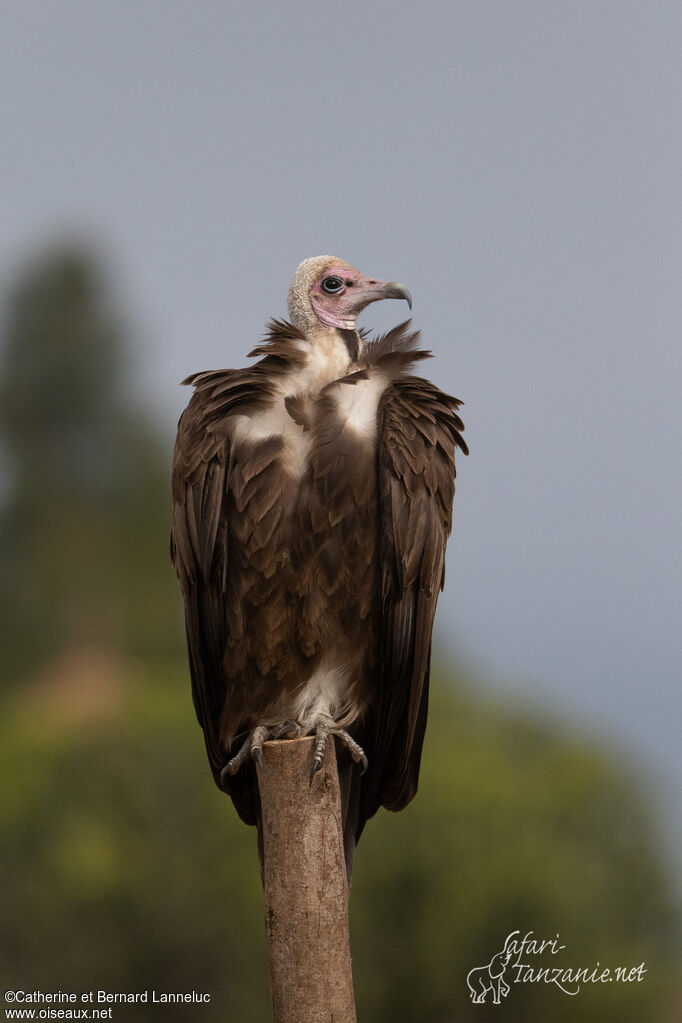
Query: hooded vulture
{"points": [[312, 501]]}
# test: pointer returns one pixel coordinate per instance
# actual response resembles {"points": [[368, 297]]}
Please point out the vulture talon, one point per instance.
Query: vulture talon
{"points": [[252, 749], [354, 748], [322, 730]]}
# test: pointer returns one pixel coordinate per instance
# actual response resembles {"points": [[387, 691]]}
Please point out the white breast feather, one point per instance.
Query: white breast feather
{"points": [[276, 422], [358, 404], [327, 359]]}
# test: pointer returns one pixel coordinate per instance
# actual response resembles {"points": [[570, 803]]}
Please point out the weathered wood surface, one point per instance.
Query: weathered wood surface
{"points": [[306, 891]]}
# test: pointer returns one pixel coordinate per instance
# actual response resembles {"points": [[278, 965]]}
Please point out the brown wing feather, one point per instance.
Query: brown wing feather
{"points": [[199, 546], [418, 432]]}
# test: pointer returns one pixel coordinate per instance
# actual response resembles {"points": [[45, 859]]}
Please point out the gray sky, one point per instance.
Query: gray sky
{"points": [[518, 165]]}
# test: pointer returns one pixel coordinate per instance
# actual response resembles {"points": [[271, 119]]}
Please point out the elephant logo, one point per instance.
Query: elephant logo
{"points": [[484, 979]]}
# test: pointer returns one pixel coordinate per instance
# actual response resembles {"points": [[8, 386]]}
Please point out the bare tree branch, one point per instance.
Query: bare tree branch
{"points": [[306, 891]]}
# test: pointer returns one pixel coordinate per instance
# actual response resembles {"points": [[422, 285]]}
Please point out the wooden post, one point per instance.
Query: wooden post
{"points": [[306, 891]]}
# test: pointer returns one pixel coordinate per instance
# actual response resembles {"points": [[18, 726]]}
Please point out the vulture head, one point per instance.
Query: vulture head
{"points": [[327, 292]]}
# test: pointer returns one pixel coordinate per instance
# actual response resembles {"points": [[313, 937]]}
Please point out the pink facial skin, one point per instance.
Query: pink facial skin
{"points": [[342, 308]]}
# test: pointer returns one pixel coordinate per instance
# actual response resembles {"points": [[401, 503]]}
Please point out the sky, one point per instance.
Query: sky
{"points": [[518, 166]]}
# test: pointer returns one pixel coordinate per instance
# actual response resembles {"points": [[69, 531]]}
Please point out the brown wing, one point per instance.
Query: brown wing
{"points": [[418, 433], [199, 554], [200, 547]]}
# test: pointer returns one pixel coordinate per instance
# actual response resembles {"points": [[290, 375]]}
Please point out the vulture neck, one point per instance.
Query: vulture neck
{"points": [[330, 354]]}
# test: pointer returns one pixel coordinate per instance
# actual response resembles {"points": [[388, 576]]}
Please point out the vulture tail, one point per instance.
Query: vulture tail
{"points": [[350, 784]]}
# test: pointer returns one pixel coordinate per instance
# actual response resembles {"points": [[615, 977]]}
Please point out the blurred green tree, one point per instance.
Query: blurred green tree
{"points": [[85, 510], [517, 826]]}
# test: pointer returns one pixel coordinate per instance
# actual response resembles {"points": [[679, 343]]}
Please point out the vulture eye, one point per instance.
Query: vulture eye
{"points": [[332, 284]]}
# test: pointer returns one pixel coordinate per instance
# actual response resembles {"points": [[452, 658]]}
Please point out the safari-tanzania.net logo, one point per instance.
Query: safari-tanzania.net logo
{"points": [[517, 963]]}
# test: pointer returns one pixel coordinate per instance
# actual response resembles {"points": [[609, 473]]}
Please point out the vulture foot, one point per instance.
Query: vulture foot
{"points": [[251, 750], [323, 729]]}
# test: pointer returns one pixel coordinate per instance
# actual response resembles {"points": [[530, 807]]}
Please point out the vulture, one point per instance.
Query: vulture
{"points": [[312, 502]]}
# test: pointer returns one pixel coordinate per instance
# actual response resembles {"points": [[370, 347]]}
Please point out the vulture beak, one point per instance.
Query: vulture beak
{"points": [[368, 291], [393, 290]]}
